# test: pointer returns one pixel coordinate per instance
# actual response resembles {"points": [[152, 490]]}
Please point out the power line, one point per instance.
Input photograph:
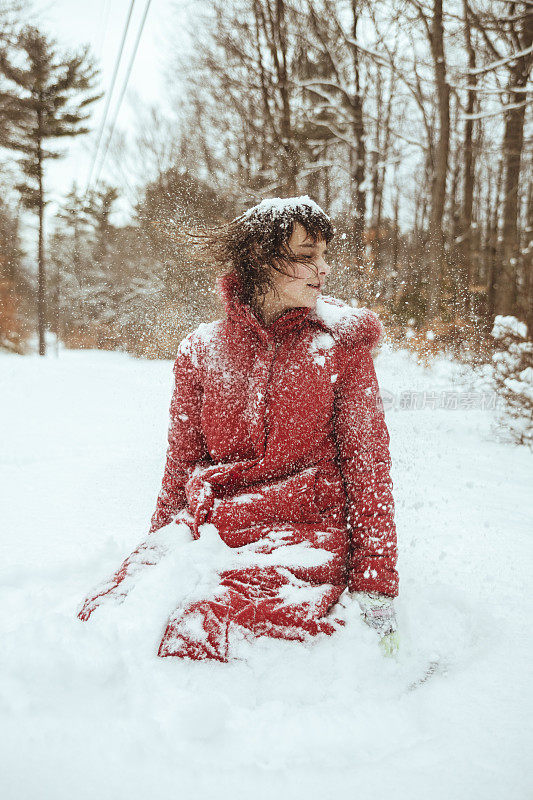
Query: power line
{"points": [[123, 92], [109, 95], [102, 25]]}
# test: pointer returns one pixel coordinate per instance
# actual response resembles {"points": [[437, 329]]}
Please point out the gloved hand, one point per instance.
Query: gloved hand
{"points": [[390, 644], [378, 613]]}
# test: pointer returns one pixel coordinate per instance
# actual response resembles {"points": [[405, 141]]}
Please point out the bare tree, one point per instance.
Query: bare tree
{"points": [[508, 49]]}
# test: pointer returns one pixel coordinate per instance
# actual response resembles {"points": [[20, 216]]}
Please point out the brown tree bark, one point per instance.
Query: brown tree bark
{"points": [[513, 142], [270, 20], [440, 171], [527, 296], [465, 228], [358, 163], [41, 284], [494, 251]]}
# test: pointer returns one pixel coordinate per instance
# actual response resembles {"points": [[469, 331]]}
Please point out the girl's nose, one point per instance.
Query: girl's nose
{"points": [[324, 268]]}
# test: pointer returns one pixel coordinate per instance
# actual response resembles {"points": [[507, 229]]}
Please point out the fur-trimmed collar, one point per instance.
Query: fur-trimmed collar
{"points": [[349, 325]]}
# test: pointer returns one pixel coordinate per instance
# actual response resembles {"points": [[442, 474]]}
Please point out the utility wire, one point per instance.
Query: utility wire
{"points": [[109, 95], [123, 92], [102, 25]]}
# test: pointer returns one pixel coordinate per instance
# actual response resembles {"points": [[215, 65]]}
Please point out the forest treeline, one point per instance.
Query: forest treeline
{"points": [[409, 121]]}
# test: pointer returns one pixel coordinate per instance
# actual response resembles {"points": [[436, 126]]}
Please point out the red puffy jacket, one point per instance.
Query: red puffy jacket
{"points": [[277, 436]]}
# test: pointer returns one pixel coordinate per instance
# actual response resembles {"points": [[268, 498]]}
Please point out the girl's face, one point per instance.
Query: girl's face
{"points": [[306, 280]]}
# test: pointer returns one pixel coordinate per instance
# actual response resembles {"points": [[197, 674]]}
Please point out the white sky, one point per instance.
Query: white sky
{"points": [[100, 23]]}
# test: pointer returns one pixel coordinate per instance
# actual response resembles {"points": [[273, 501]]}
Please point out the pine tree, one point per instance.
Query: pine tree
{"points": [[45, 99], [104, 287]]}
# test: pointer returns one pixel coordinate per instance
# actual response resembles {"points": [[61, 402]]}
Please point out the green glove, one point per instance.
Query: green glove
{"points": [[390, 644], [378, 613]]}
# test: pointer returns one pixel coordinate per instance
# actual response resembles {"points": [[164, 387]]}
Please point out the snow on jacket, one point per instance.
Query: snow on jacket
{"points": [[290, 411], [277, 440]]}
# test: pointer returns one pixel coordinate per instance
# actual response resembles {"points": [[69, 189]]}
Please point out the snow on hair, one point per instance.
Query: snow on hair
{"points": [[278, 206]]}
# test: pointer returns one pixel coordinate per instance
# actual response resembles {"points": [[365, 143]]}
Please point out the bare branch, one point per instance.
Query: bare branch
{"points": [[501, 62]]}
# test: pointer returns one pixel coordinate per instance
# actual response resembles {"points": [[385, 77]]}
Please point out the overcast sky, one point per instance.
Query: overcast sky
{"points": [[100, 23]]}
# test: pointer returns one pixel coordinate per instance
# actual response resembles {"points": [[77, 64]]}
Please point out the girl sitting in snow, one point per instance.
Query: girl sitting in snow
{"points": [[278, 442]]}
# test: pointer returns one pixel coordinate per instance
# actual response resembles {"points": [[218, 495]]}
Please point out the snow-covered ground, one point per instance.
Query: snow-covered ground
{"points": [[89, 711]]}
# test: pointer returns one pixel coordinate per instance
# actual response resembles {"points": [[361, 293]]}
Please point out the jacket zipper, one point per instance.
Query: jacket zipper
{"points": [[272, 346]]}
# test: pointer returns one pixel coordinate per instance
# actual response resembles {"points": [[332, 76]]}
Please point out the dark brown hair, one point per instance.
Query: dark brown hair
{"points": [[258, 239]]}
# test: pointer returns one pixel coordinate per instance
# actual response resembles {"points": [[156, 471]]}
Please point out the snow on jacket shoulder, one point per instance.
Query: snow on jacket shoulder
{"points": [[283, 424]]}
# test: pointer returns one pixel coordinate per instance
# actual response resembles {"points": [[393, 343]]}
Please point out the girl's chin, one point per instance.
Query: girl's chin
{"points": [[308, 302], [307, 299]]}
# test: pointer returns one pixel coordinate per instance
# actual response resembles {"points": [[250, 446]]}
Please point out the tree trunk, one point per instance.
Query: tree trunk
{"points": [[326, 182], [513, 141], [493, 248], [271, 18], [527, 294], [396, 242], [279, 52], [41, 296], [465, 231], [436, 239], [380, 169], [358, 128]]}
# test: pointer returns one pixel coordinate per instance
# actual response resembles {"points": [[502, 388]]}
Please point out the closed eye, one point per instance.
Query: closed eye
{"points": [[315, 253]]}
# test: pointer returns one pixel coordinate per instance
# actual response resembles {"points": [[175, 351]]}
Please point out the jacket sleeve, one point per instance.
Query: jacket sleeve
{"points": [[186, 443], [363, 451]]}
